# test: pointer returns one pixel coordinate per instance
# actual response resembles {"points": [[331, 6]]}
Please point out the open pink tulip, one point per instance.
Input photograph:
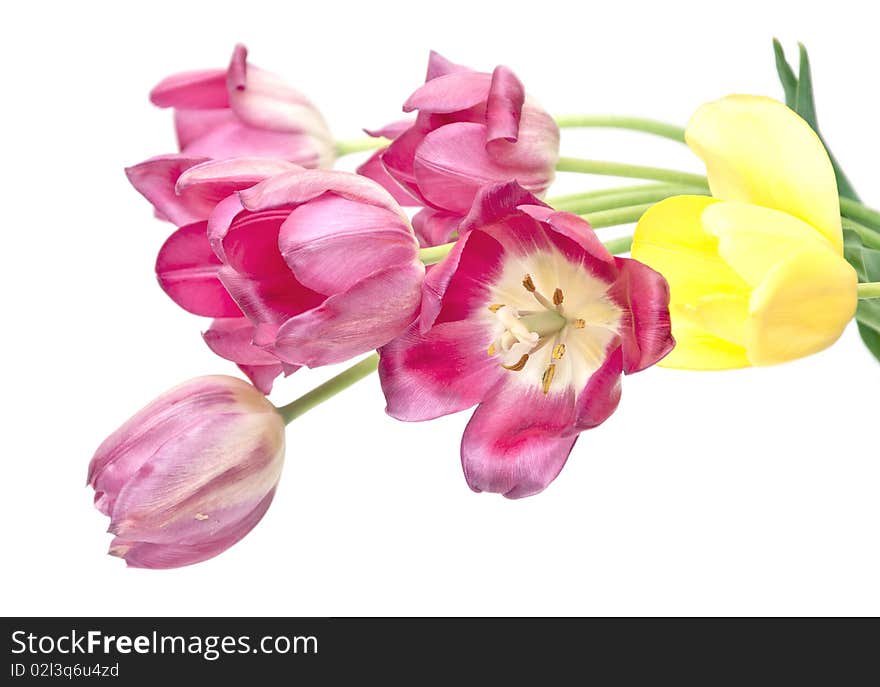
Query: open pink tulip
{"points": [[472, 128], [531, 319], [189, 475], [244, 111], [324, 265]]}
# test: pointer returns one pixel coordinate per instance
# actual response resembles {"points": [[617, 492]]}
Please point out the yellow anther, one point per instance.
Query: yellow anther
{"points": [[520, 364], [547, 379], [558, 351], [579, 323], [491, 350], [528, 283], [557, 297], [495, 307]]}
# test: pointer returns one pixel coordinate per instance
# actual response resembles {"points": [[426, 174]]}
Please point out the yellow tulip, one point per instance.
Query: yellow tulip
{"points": [[756, 272]]}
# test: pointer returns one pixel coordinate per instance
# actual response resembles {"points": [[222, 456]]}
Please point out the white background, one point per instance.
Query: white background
{"points": [[747, 492]]}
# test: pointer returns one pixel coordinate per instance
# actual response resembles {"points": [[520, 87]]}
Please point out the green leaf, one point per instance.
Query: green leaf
{"points": [[786, 75], [805, 106], [799, 97], [866, 262]]}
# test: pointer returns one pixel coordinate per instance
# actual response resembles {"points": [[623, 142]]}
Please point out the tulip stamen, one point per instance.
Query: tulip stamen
{"points": [[495, 307], [547, 378], [519, 365], [579, 323], [557, 297], [528, 283], [558, 351]]}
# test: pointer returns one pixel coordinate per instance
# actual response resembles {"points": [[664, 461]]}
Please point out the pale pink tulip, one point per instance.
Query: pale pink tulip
{"points": [[244, 111], [533, 321], [190, 474]]}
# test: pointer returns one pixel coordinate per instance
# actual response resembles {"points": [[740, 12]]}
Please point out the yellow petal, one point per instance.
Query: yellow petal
{"points": [[759, 151], [670, 238], [697, 349], [801, 307], [724, 316], [753, 239]]}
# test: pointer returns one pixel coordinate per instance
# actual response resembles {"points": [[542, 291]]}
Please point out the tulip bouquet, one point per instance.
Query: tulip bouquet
{"points": [[444, 263]]}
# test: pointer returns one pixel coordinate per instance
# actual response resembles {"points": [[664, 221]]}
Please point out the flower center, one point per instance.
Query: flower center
{"points": [[527, 331]]}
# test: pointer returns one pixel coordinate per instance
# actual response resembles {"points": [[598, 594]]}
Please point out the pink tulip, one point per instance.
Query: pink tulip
{"points": [[531, 319], [472, 128], [244, 111], [187, 190], [190, 474], [324, 265]]}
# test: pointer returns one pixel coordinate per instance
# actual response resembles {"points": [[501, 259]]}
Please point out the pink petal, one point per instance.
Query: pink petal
{"points": [[270, 301], [155, 179], [571, 226], [365, 317], [450, 93], [264, 101], [446, 370], [599, 398], [518, 439], [532, 159], [399, 159], [328, 232], [218, 179], [440, 66], [391, 131], [374, 169], [498, 201], [201, 89], [232, 338], [434, 227], [458, 285], [155, 505], [188, 272], [235, 139], [123, 453], [193, 124], [295, 188], [452, 164], [139, 554], [644, 296], [504, 105]]}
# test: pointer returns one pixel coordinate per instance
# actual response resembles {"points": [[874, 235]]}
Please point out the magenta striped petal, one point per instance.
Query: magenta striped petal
{"points": [[425, 376], [518, 440], [434, 227], [599, 399], [646, 330]]}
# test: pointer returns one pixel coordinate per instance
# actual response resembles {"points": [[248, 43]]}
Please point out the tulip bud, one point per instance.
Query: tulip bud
{"points": [[190, 474]]}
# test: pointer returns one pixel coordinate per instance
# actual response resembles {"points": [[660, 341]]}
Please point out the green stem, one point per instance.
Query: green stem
{"points": [[868, 237], [612, 218], [619, 245], [869, 289], [329, 388], [358, 145], [861, 213], [555, 201], [649, 126], [618, 169], [609, 201], [434, 254]]}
